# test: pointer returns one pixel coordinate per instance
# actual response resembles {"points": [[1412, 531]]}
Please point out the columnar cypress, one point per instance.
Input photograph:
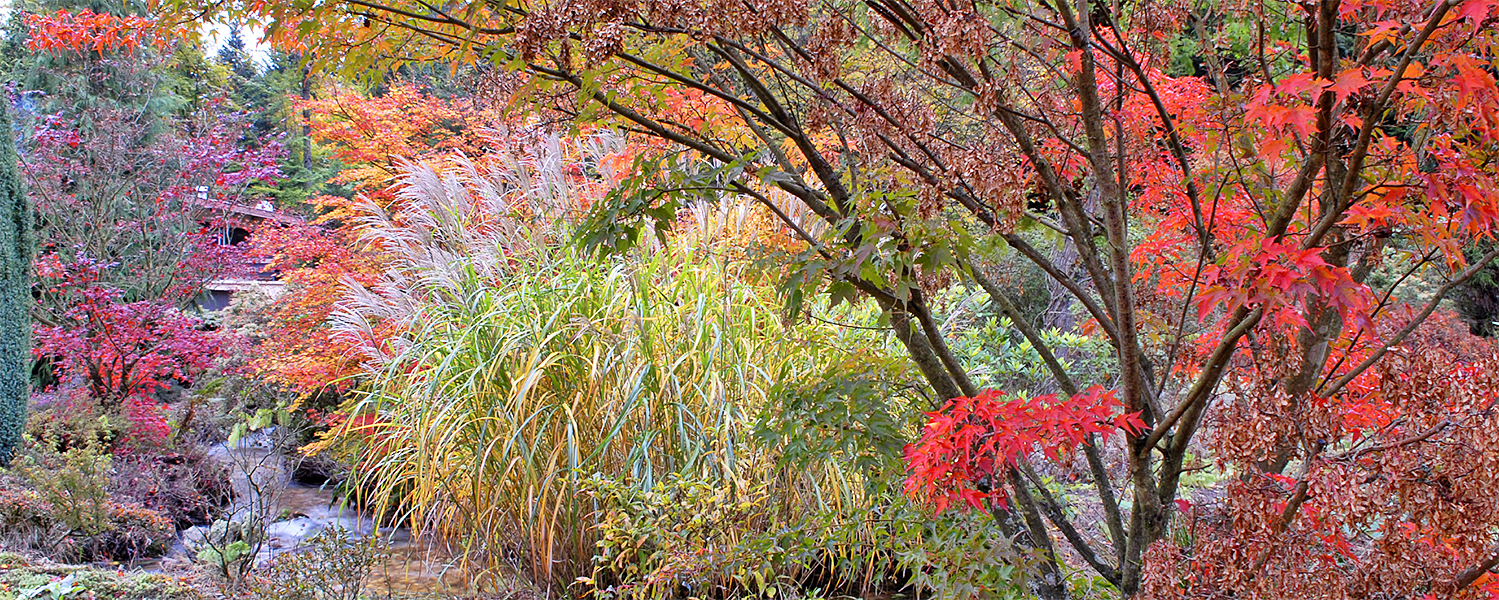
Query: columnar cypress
{"points": [[15, 293]]}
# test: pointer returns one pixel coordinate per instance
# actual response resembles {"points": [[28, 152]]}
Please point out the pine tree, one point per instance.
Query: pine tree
{"points": [[15, 293]]}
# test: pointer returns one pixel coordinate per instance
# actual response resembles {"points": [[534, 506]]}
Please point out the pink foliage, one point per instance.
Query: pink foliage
{"points": [[148, 423], [131, 233], [154, 209]]}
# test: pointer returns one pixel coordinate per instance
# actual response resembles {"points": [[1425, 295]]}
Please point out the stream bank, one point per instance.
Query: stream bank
{"points": [[295, 513]]}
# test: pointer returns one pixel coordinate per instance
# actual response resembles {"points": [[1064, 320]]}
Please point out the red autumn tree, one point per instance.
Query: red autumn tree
{"points": [[1235, 195], [296, 347], [119, 350], [370, 134], [125, 195]]}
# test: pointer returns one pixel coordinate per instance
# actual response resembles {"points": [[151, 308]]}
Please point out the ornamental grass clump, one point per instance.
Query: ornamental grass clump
{"points": [[505, 368]]}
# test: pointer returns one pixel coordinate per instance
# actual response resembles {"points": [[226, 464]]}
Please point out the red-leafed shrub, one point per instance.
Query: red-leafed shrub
{"points": [[121, 350], [147, 418]]}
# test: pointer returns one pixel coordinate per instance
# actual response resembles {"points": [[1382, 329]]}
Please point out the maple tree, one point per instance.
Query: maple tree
{"points": [[296, 347], [129, 208], [1239, 235], [123, 351], [116, 274], [971, 441], [166, 248], [370, 136]]}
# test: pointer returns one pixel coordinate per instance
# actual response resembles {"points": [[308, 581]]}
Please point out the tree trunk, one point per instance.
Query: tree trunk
{"points": [[15, 294], [306, 94], [1058, 313]]}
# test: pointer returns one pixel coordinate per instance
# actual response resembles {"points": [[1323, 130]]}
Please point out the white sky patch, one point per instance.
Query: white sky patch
{"points": [[215, 35], [5, 6]]}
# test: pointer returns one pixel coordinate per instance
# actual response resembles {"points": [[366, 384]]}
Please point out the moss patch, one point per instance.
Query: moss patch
{"points": [[19, 575]]}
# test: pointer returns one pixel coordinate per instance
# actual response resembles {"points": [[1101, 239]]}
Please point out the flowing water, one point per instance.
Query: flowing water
{"points": [[297, 512], [413, 565]]}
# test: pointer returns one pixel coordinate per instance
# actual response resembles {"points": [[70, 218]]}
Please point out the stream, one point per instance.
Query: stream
{"points": [[297, 512], [413, 565]]}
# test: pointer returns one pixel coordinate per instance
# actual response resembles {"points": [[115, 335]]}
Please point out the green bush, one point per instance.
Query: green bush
{"points": [[682, 538], [958, 555], [74, 483], [73, 421]]}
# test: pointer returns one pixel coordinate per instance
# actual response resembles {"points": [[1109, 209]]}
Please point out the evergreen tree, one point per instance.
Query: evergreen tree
{"points": [[1477, 300], [15, 293], [267, 95], [13, 45]]}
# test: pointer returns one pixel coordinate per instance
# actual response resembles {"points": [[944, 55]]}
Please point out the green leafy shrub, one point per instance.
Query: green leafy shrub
{"points": [[681, 538], [958, 555], [74, 483], [59, 503], [686, 538]]}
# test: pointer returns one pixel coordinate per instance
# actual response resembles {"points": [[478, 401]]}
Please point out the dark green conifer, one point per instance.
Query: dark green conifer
{"points": [[15, 293]]}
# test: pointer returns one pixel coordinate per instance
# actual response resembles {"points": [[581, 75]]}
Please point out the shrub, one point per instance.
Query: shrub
{"points": [[145, 467], [148, 428], [186, 485], [134, 532], [25, 519], [70, 419], [64, 509], [682, 538], [959, 555], [74, 483], [333, 566]]}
